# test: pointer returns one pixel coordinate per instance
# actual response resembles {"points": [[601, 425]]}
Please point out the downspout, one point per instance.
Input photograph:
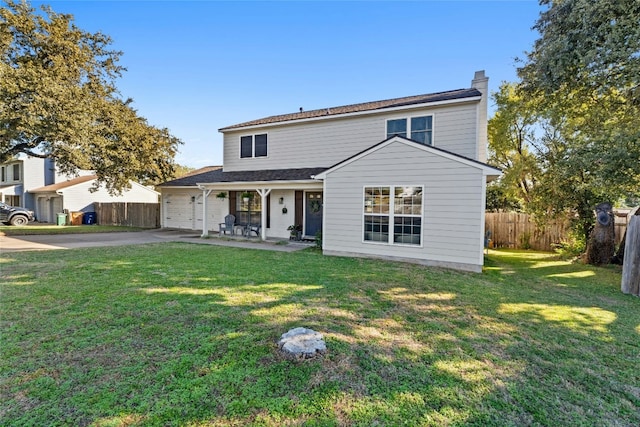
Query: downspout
{"points": [[205, 195]]}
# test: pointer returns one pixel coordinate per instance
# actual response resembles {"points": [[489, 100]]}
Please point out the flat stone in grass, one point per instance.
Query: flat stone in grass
{"points": [[302, 343]]}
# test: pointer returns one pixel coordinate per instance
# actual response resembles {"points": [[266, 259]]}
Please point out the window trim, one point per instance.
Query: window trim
{"points": [[409, 130], [392, 215], [253, 146]]}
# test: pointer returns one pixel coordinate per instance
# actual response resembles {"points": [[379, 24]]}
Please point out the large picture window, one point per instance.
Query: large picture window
{"points": [[253, 146], [419, 128], [393, 214]]}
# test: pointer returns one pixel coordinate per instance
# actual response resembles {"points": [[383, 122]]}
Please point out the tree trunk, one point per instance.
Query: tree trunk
{"points": [[631, 267], [602, 243], [618, 258]]}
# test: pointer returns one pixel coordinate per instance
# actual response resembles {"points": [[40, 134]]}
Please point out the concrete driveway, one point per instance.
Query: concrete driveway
{"points": [[72, 241]]}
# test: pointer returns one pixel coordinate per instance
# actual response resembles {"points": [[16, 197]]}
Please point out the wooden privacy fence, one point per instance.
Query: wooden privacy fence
{"points": [[145, 215], [519, 231]]}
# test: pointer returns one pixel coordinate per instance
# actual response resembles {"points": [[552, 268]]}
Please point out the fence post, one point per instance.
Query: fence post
{"points": [[631, 266]]}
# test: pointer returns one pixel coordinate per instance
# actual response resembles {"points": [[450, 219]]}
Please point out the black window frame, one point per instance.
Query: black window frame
{"points": [[254, 146]]}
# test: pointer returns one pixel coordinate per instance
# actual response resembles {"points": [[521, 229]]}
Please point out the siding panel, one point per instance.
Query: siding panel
{"points": [[452, 221], [327, 142]]}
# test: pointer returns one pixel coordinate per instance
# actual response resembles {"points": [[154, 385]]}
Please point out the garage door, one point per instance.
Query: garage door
{"points": [[178, 211]]}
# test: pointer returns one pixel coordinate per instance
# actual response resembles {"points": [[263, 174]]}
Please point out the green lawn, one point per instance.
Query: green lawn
{"points": [[33, 229], [184, 334]]}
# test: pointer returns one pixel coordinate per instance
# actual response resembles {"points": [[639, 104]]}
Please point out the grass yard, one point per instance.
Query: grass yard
{"points": [[33, 229], [184, 334]]}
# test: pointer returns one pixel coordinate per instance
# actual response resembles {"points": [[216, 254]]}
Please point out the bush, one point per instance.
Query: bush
{"points": [[571, 247]]}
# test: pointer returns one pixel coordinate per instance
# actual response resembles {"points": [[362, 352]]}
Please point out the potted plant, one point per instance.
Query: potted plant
{"points": [[295, 232], [246, 196], [221, 195]]}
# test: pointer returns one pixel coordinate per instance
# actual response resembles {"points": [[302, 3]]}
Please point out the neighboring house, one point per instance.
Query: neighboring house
{"points": [[402, 178], [75, 195], [35, 183], [20, 174]]}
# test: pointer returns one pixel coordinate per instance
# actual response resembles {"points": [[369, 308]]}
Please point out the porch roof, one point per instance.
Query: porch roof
{"points": [[219, 176]]}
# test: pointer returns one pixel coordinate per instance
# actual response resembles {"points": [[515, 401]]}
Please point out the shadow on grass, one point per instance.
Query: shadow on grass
{"points": [[176, 334]]}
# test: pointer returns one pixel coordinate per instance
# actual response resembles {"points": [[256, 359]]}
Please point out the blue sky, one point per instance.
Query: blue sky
{"points": [[197, 66]]}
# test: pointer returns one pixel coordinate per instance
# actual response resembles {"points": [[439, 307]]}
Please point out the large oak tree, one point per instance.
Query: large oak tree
{"points": [[58, 98], [584, 75]]}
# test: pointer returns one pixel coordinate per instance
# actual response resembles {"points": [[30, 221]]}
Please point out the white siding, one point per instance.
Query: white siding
{"points": [[324, 143], [279, 220], [453, 204], [79, 198]]}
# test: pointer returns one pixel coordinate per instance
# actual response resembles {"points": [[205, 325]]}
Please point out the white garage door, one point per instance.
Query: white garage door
{"points": [[178, 211]]}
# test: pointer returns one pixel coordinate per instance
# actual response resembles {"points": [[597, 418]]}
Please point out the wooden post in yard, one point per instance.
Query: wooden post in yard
{"points": [[631, 266]]}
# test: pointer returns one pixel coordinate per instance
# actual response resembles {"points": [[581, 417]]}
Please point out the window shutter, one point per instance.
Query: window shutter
{"points": [[268, 210], [232, 202], [299, 205]]}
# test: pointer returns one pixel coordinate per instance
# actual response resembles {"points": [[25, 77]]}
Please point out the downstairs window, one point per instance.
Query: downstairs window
{"points": [[393, 214]]}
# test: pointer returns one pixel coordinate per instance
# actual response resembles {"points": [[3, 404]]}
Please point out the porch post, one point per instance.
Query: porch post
{"points": [[205, 227], [264, 192]]}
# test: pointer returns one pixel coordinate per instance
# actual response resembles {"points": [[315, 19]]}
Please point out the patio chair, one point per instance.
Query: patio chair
{"points": [[228, 225]]}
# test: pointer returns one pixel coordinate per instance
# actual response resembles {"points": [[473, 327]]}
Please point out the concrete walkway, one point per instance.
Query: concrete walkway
{"points": [[72, 241]]}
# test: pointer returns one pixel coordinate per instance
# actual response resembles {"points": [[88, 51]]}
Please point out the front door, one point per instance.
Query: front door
{"points": [[313, 213]]}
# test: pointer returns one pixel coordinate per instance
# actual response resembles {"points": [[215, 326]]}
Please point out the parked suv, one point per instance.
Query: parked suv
{"points": [[15, 215]]}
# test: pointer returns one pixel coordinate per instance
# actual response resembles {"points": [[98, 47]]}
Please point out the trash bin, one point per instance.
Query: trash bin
{"points": [[89, 218], [62, 219], [76, 218]]}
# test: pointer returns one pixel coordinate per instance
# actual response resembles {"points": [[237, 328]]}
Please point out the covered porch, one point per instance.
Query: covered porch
{"points": [[264, 203], [262, 210]]}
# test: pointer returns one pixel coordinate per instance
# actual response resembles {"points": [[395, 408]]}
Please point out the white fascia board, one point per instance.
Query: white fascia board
{"points": [[356, 114], [243, 185], [178, 187], [144, 187]]}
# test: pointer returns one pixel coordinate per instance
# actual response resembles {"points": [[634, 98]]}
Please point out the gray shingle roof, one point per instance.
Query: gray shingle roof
{"points": [[218, 176], [366, 106]]}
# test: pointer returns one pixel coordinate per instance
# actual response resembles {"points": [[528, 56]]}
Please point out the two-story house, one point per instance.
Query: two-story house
{"points": [[402, 178], [22, 173], [36, 184]]}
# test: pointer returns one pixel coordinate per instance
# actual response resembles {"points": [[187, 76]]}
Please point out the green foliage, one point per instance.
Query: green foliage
{"points": [[501, 199], [159, 335], [525, 240], [59, 100], [511, 139], [577, 110], [571, 247]]}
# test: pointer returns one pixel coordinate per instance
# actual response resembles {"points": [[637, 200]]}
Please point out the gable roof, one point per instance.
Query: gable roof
{"points": [[64, 184], [488, 170], [362, 107], [219, 176]]}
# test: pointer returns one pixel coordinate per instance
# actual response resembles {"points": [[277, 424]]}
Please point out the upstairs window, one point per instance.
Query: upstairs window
{"points": [[16, 172], [397, 127], [3, 178], [253, 146], [419, 128]]}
